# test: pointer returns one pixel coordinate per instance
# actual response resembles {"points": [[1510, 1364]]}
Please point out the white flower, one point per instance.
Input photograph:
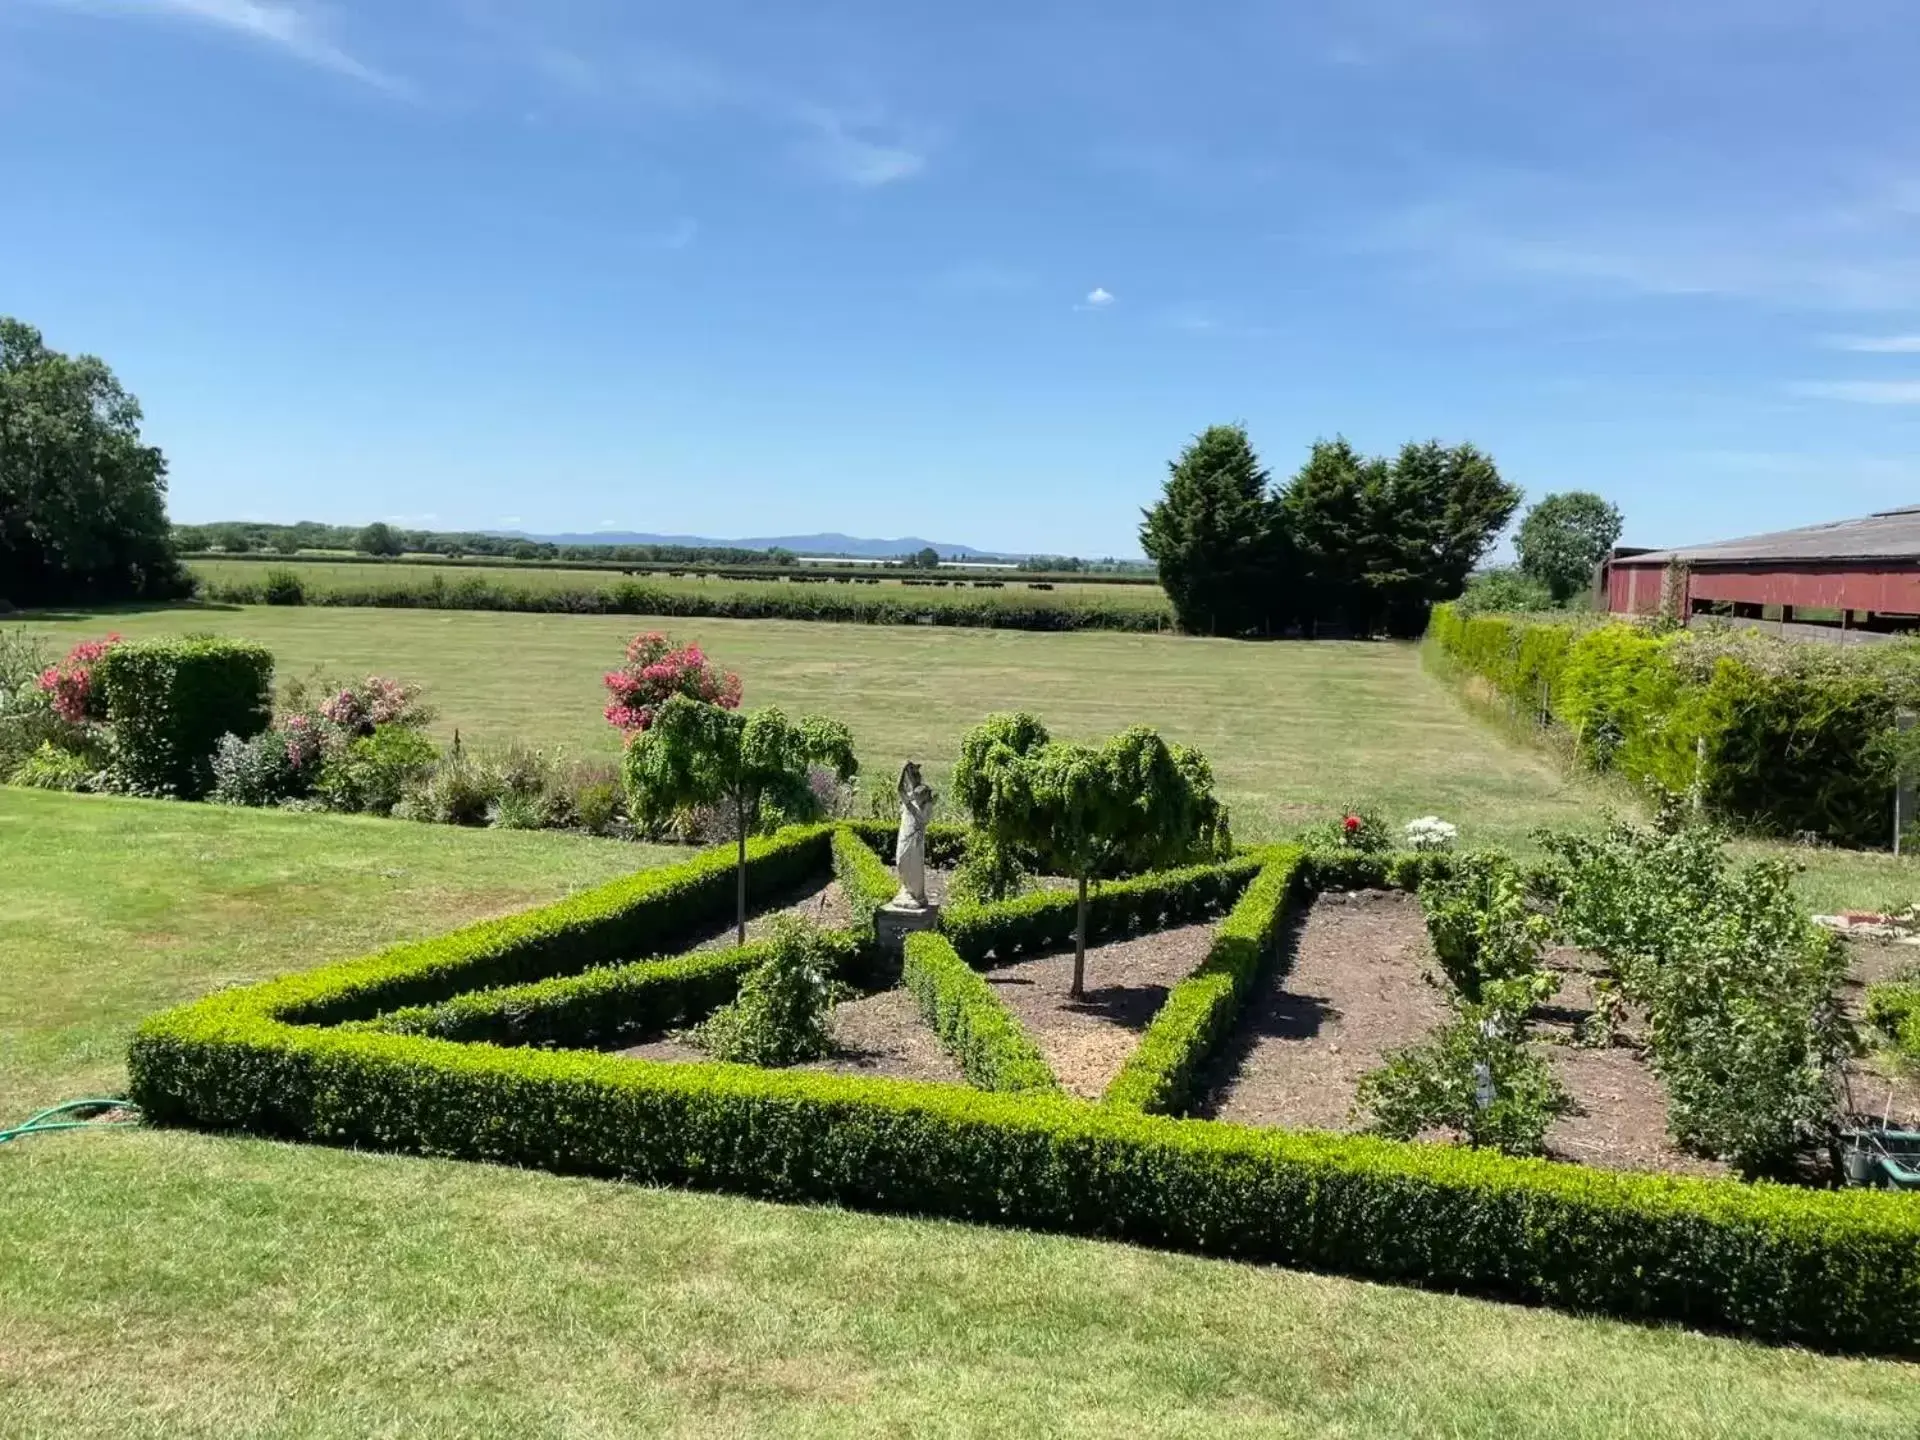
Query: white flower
{"points": [[1431, 833]]}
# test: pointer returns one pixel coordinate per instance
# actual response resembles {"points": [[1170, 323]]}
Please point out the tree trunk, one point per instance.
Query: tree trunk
{"points": [[1079, 990], [740, 874]]}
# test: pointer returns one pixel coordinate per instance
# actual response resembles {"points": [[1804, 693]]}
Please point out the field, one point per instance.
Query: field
{"points": [[1294, 730], [179, 1284]]}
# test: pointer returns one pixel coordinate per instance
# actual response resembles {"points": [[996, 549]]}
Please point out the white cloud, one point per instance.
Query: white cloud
{"points": [[1878, 344], [838, 151], [295, 29], [1861, 392], [1099, 298], [677, 236]]}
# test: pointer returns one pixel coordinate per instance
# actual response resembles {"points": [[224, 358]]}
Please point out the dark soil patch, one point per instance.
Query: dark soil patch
{"points": [[1354, 981], [1349, 986], [1087, 1041], [880, 1034], [821, 901]]}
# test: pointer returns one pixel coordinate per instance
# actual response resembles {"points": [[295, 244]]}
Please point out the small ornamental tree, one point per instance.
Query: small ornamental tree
{"points": [[1088, 811], [69, 686], [698, 753], [656, 668]]}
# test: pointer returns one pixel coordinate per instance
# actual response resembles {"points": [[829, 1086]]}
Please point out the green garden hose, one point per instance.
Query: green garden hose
{"points": [[44, 1122]]}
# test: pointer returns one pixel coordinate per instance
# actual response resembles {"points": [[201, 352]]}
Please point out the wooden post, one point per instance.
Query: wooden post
{"points": [[1903, 796]]}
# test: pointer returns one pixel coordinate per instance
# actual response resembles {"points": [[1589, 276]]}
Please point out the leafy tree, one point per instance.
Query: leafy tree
{"points": [[697, 753], [379, 539], [1212, 534], [1564, 537], [925, 558], [1504, 589], [1088, 811], [82, 500], [1380, 541]]}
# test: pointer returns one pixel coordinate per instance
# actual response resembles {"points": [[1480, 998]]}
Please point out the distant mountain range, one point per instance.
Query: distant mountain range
{"points": [[828, 544]]}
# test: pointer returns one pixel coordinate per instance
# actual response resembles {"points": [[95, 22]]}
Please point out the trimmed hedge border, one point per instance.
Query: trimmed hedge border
{"points": [[868, 883], [1837, 1269], [984, 1037], [170, 700], [1041, 920], [1200, 1011]]}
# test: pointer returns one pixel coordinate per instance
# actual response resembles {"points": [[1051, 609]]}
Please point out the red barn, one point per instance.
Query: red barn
{"points": [[1852, 574]]}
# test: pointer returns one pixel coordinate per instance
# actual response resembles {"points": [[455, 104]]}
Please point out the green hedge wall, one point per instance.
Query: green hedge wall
{"points": [[984, 1037], [1838, 1269], [864, 876], [1200, 1011], [1790, 732], [946, 840], [984, 934], [170, 700]]}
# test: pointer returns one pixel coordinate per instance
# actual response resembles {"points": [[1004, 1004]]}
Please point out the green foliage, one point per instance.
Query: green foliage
{"points": [[283, 587], [52, 768], [1379, 541], [985, 1038], [1481, 923], [378, 539], [1782, 736], [1893, 1009], [1089, 811], [1564, 538], [28, 720], [1826, 1268], [1741, 989], [782, 1016], [170, 700], [82, 500], [988, 872], [1504, 589], [1357, 829], [1475, 1076], [257, 771], [372, 773], [1159, 1077], [1212, 535], [865, 879]]}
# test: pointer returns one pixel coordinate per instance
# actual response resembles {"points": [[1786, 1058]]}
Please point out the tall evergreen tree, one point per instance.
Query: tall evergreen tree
{"points": [[1212, 535]]}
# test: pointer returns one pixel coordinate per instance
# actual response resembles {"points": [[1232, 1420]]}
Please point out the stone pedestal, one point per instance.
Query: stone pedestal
{"points": [[894, 922]]}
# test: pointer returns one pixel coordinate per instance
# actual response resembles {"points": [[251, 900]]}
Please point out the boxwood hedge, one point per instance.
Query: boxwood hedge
{"points": [[1835, 1269], [984, 1037]]}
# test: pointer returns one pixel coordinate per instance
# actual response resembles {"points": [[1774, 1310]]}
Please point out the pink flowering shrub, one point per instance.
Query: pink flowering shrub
{"points": [[375, 701], [69, 685], [656, 668]]}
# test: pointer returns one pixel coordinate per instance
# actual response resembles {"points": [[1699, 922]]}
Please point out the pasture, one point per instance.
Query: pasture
{"points": [[192, 1285], [1294, 730]]}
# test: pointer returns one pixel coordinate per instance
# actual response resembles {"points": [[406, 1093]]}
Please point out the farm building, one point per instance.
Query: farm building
{"points": [[1849, 575]]}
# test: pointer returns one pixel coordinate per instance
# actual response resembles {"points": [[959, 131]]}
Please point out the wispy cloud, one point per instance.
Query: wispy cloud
{"points": [[1877, 344], [836, 148], [295, 29], [1861, 392], [1098, 298]]}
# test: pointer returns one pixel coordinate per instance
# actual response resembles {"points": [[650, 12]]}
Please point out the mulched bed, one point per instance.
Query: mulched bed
{"points": [[1358, 987], [1087, 1041], [880, 1034], [821, 901]]}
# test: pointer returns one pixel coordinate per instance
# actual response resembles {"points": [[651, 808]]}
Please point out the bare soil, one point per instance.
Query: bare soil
{"points": [[821, 901], [880, 1034], [1087, 1041], [1878, 1083], [1355, 981]]}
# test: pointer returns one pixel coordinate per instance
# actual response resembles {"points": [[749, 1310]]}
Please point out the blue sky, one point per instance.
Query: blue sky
{"points": [[972, 271]]}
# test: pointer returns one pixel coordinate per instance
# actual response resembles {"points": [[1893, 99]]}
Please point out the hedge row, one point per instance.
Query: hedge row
{"points": [[1785, 737], [865, 878], [855, 605], [651, 913], [1200, 1011], [1836, 1269], [170, 700], [1893, 1008], [1045, 919], [946, 840], [984, 1037], [598, 1010]]}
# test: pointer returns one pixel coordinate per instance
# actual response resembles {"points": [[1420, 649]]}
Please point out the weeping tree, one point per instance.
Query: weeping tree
{"points": [[756, 765], [1088, 812]]}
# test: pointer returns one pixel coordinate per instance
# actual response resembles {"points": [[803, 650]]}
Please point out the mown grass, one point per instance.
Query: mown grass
{"points": [[1294, 729], [156, 1284]]}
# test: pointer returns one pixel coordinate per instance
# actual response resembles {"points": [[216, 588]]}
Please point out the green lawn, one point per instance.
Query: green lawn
{"points": [[1293, 729], [185, 1285]]}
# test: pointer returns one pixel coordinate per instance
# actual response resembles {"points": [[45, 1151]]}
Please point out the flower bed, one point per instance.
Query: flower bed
{"points": [[1831, 1269]]}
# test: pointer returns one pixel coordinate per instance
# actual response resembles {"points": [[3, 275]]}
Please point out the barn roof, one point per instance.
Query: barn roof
{"points": [[1885, 535]]}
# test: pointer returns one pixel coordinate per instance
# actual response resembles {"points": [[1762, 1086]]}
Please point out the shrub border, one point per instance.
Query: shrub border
{"points": [[984, 1037], [1833, 1269]]}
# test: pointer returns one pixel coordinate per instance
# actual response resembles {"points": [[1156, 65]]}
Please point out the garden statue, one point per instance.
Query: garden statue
{"points": [[910, 851]]}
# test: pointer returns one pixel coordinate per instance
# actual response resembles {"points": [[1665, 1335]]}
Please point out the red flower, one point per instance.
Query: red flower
{"points": [[1352, 822]]}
